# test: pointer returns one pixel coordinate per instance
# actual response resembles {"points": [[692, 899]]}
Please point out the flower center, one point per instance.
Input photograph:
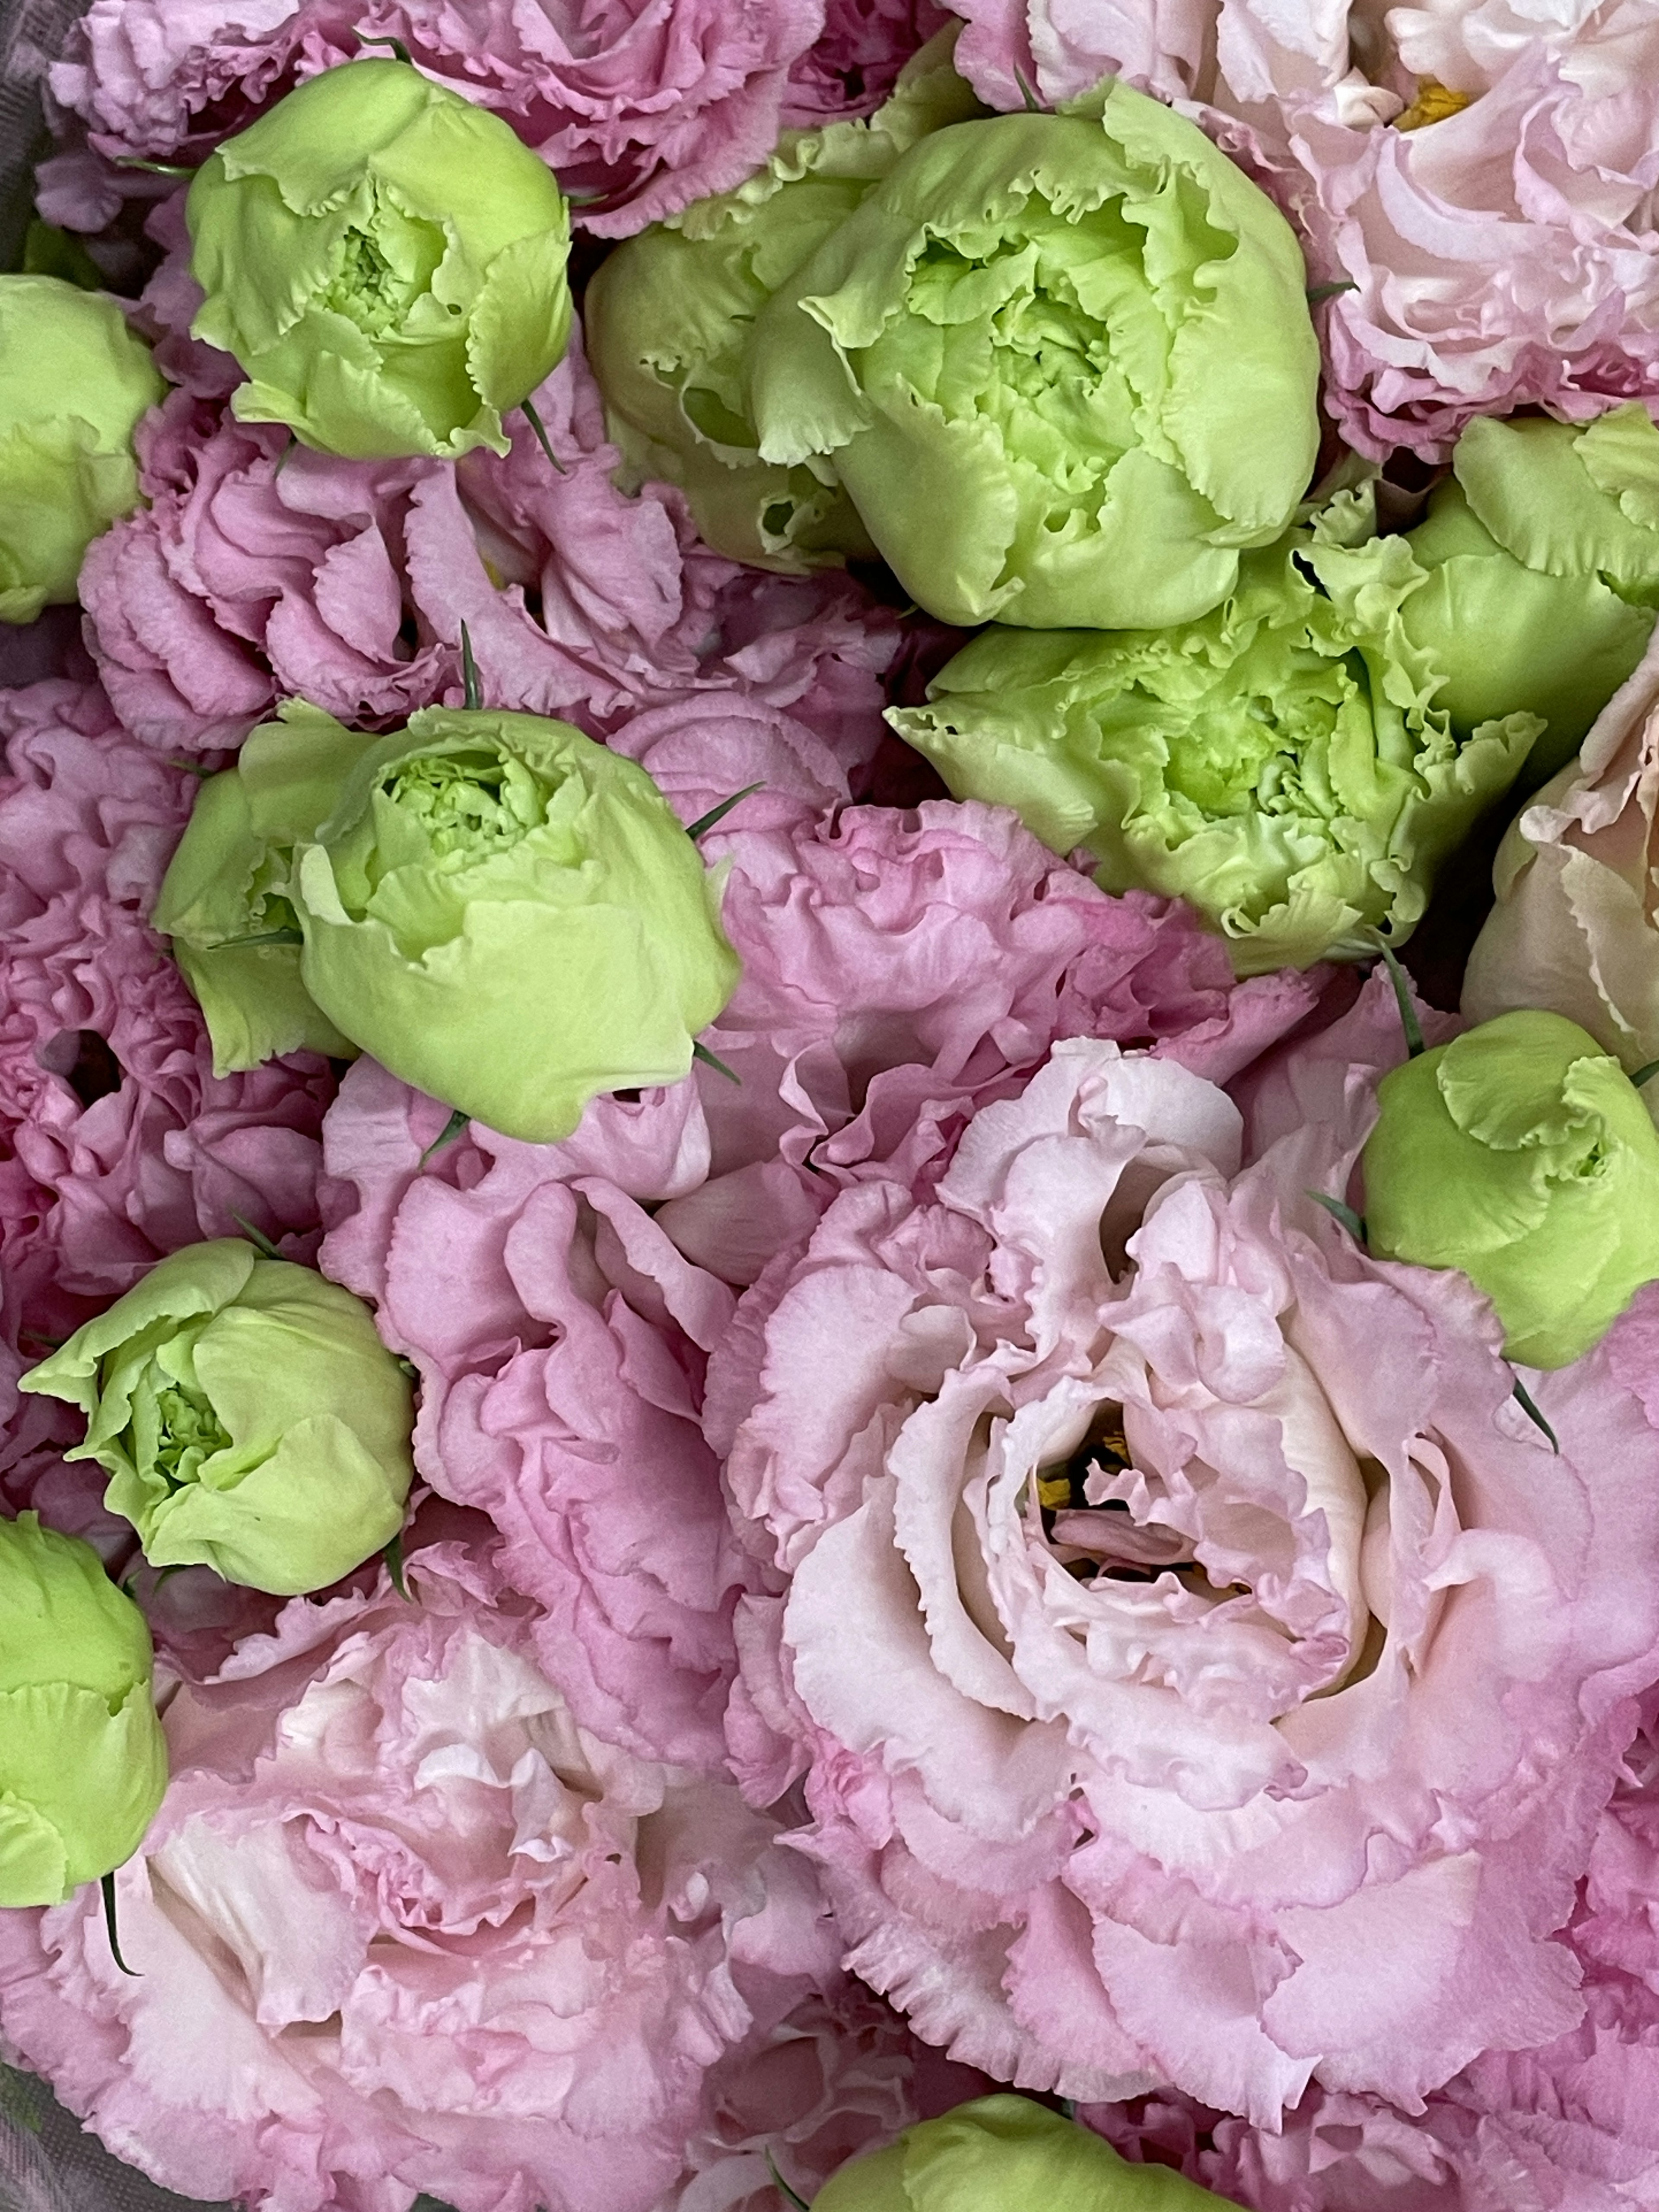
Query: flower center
{"points": [[188, 1431], [469, 809]]}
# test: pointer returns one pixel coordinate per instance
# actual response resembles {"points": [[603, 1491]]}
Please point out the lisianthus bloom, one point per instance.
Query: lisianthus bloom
{"points": [[1573, 927], [1543, 561], [1004, 2154], [1475, 178], [1153, 1551], [1523, 1155], [386, 261], [1060, 387], [669, 315], [74, 381], [1288, 763], [120, 1143], [499, 909], [250, 1417], [82, 1762], [480, 1952]]}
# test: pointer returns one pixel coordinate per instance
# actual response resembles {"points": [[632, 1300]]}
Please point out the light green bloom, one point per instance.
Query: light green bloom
{"points": [[83, 1759], [504, 913], [1282, 762], [385, 260], [74, 382], [1063, 364], [667, 316], [250, 1417], [1521, 1153], [224, 901], [1004, 2154], [1543, 562]]}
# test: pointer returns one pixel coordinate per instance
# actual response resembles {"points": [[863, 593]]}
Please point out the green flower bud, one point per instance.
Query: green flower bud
{"points": [[387, 262], [1522, 1154], [224, 902], [1283, 763], [249, 1416], [1543, 562], [1004, 2154], [1062, 363], [74, 382], [667, 316], [505, 914], [83, 1759]]}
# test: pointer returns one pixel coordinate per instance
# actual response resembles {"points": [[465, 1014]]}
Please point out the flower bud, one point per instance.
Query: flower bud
{"points": [[1004, 2154], [1521, 1153], [385, 260], [83, 1759], [74, 382], [249, 1416]]}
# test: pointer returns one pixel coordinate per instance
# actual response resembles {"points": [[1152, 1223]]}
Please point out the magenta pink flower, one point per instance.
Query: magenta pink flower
{"points": [[404, 1924], [261, 571], [1203, 1670]]}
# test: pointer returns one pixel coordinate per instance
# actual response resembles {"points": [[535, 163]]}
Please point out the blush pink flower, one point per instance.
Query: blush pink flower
{"points": [[403, 1925], [639, 109], [853, 63], [1496, 248], [261, 570], [1203, 1671], [119, 1143]]}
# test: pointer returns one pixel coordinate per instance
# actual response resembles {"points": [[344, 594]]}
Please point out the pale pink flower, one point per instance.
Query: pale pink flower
{"points": [[403, 1925], [1265, 1748]]}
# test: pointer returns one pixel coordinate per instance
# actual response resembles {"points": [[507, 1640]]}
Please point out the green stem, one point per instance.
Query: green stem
{"points": [[471, 690], [705, 823], [528, 411], [702, 1052], [107, 1884]]}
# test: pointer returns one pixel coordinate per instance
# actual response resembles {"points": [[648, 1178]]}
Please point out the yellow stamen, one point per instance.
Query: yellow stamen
{"points": [[1434, 102]]}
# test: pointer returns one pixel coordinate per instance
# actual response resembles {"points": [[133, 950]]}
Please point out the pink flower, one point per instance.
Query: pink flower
{"points": [[404, 1924], [852, 67], [899, 966], [641, 109], [261, 570], [561, 1341], [119, 1142], [1203, 1670], [1497, 248]]}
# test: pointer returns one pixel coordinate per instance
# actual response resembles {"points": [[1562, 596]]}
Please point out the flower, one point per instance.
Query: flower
{"points": [[83, 1763], [1543, 562], [250, 1417], [480, 1952], [74, 381], [1288, 763], [1004, 2154], [1572, 929], [117, 1143], [465, 877], [386, 261], [1520, 1154], [1154, 1552], [668, 315], [1059, 388]]}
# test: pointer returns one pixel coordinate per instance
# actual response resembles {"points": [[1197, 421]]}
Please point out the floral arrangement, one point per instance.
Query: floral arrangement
{"points": [[829, 1139]]}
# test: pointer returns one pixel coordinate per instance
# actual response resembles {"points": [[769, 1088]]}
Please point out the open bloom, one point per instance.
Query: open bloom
{"points": [[1156, 1554], [478, 1951]]}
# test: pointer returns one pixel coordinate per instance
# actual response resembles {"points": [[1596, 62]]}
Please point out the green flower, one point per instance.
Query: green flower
{"points": [[1543, 572], [1283, 763], [74, 382], [83, 1759], [505, 914], [1063, 364], [1004, 2154], [249, 1417], [1521, 1153], [668, 314], [387, 262]]}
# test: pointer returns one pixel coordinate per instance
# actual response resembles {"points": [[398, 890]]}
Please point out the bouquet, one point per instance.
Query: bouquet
{"points": [[829, 1109]]}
